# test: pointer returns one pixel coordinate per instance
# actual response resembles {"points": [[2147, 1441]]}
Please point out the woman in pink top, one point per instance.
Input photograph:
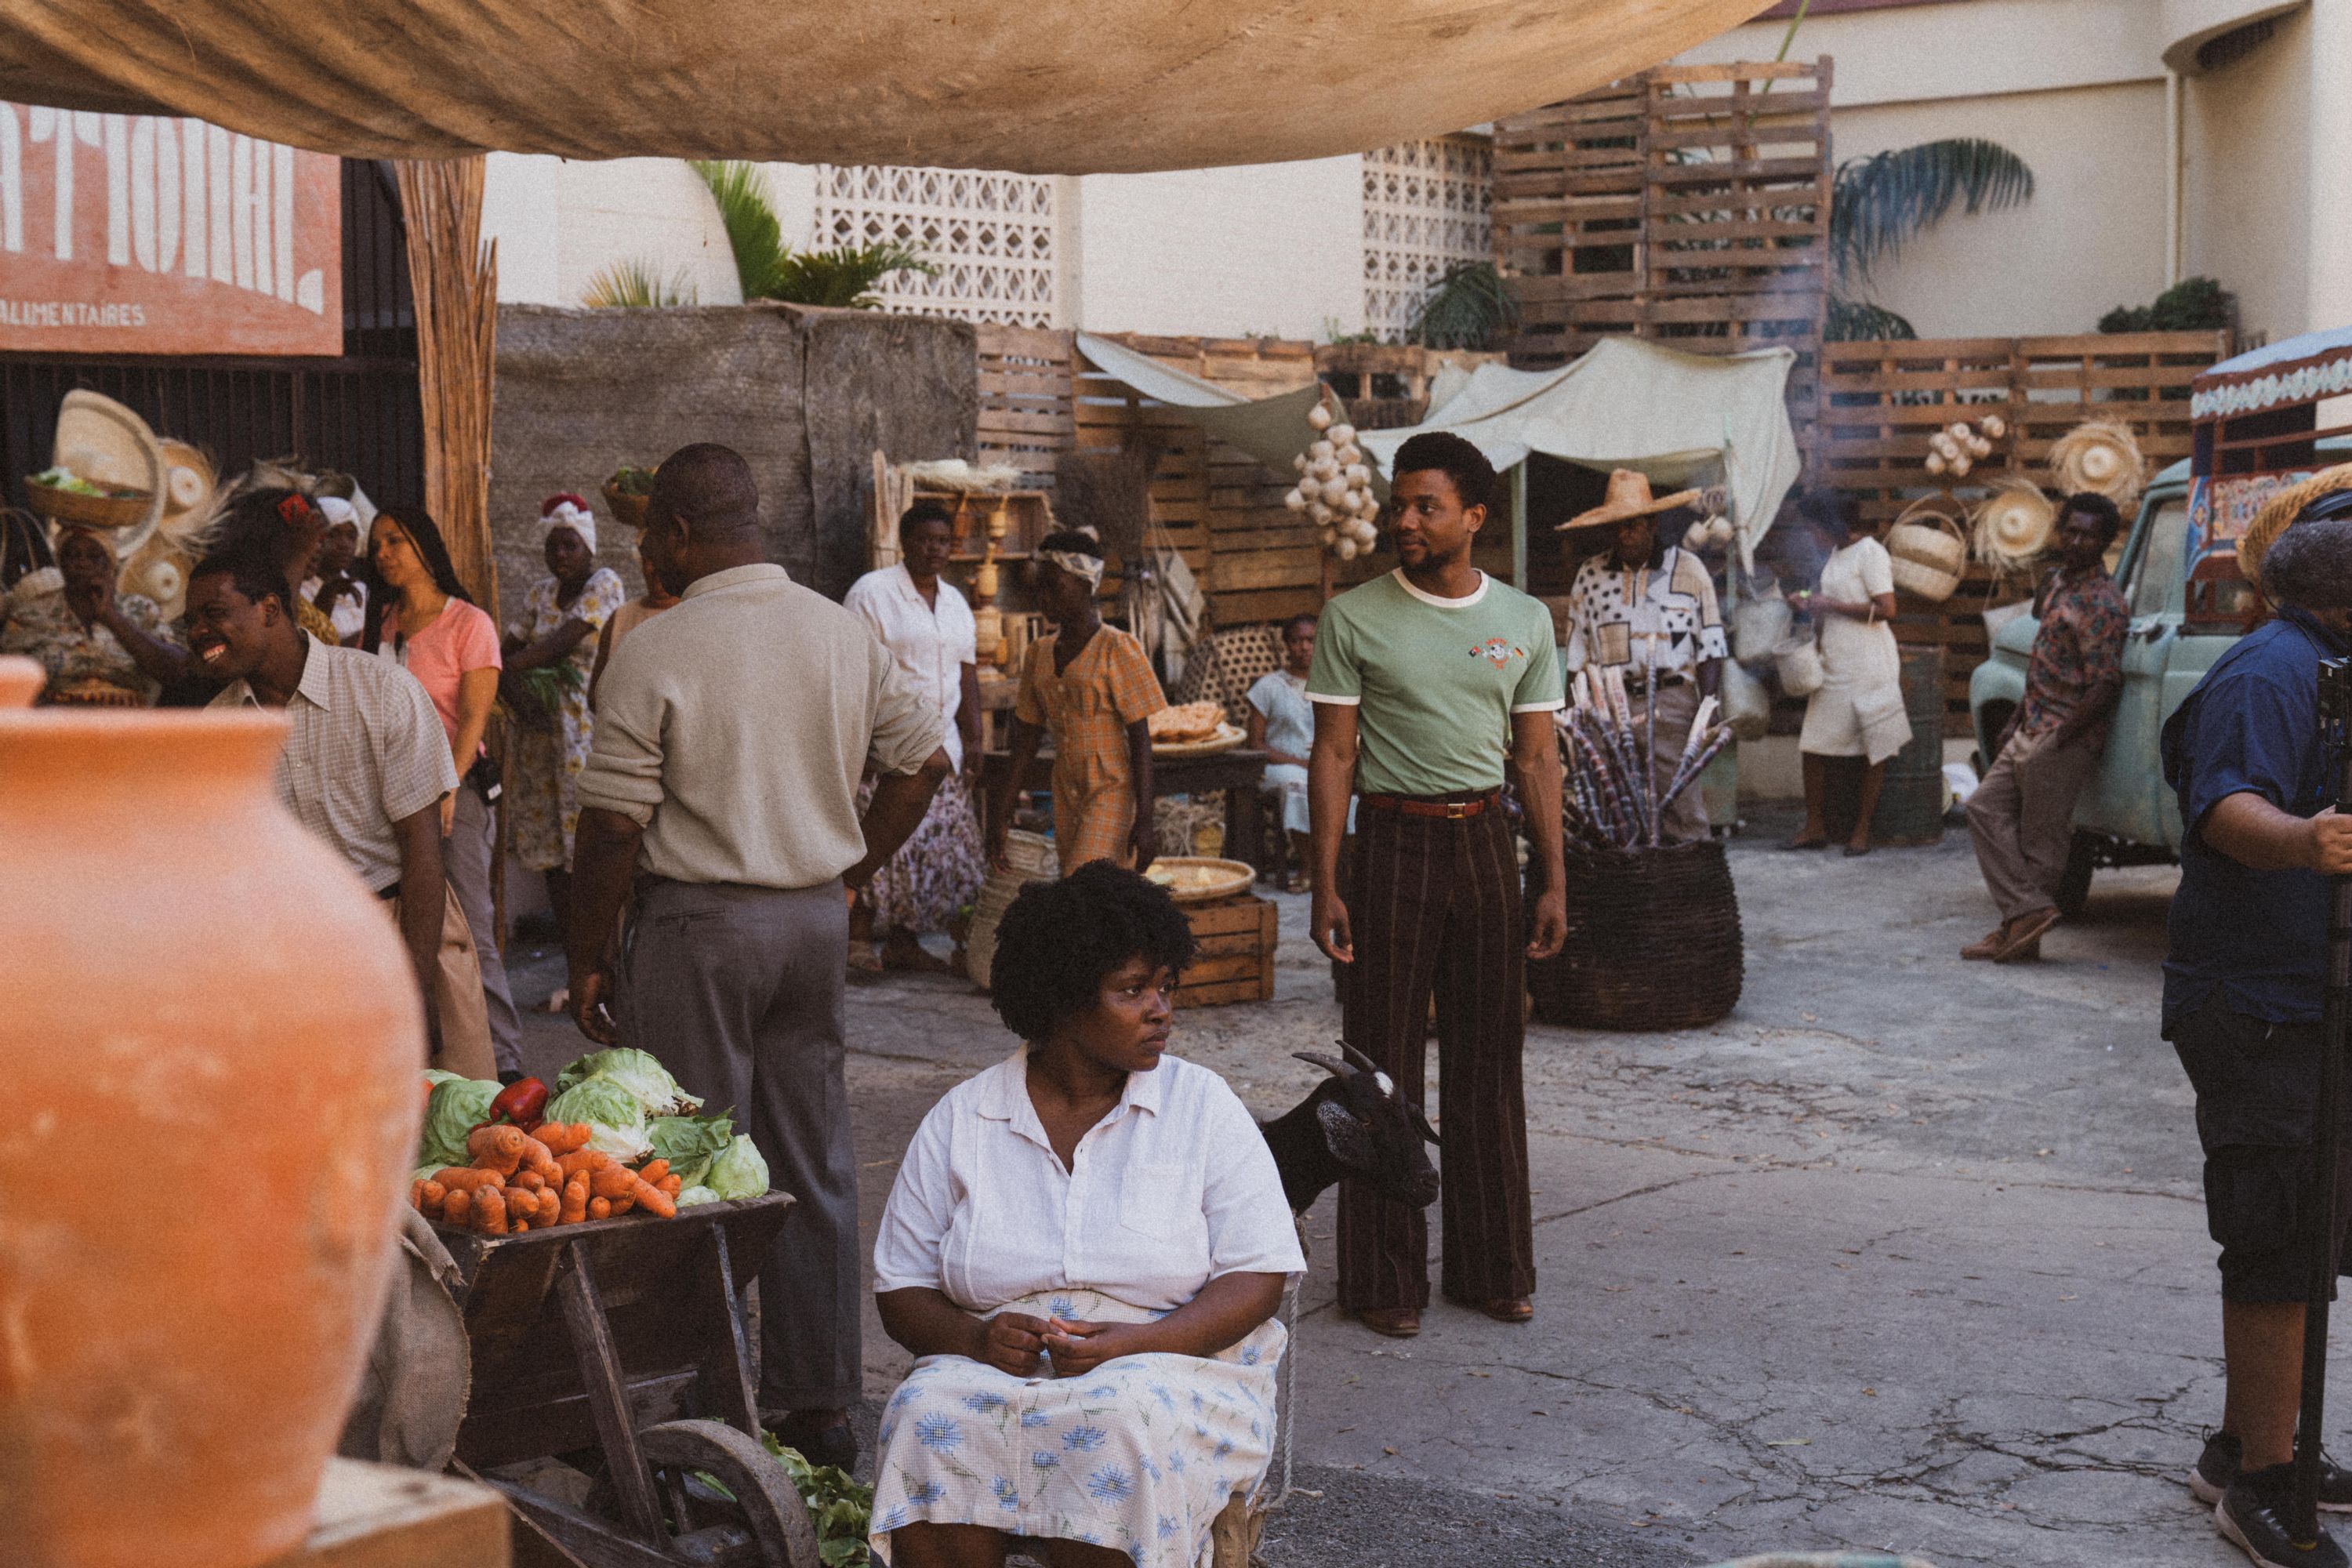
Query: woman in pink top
{"points": [[424, 620]]}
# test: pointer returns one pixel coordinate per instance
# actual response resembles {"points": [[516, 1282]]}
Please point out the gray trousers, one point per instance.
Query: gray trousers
{"points": [[739, 990], [1678, 706], [466, 862], [2023, 817]]}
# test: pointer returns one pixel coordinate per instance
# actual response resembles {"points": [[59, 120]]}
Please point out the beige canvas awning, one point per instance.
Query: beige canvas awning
{"points": [[1064, 86]]}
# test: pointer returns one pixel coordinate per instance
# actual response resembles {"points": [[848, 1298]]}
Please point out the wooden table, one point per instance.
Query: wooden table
{"points": [[1239, 773], [380, 1516]]}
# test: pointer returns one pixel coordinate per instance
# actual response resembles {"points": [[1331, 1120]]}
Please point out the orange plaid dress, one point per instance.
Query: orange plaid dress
{"points": [[1086, 708]]}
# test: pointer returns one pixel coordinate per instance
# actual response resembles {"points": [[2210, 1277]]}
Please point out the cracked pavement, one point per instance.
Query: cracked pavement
{"points": [[1907, 1254]]}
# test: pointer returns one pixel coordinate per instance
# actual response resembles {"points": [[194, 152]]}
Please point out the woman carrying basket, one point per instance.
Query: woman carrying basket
{"points": [[1857, 710]]}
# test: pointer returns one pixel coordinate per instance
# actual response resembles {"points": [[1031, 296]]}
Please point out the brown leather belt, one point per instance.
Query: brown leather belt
{"points": [[1431, 806]]}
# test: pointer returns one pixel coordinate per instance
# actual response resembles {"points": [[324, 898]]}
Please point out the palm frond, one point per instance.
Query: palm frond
{"points": [[1855, 320], [843, 278], [1881, 203], [635, 284], [1469, 308], [754, 233]]}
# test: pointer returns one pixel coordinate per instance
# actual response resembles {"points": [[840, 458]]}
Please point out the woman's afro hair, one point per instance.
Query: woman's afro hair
{"points": [[1059, 938]]}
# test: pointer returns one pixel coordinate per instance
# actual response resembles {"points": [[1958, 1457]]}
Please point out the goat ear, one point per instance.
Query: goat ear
{"points": [[1363, 1062], [1337, 1070]]}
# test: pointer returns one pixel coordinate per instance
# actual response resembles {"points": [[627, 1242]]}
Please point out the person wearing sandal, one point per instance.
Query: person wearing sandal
{"points": [[924, 622], [2021, 818], [1857, 712], [1421, 679]]}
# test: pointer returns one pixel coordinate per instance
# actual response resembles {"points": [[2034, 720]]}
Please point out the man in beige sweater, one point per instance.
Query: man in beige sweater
{"points": [[730, 735]]}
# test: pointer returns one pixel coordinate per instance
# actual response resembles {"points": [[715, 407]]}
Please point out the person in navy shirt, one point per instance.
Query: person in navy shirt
{"points": [[2242, 982]]}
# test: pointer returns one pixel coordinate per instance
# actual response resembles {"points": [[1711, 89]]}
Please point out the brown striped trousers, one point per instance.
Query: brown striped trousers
{"points": [[1435, 908]]}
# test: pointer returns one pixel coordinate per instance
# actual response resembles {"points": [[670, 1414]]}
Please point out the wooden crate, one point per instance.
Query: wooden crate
{"points": [[1235, 963]]}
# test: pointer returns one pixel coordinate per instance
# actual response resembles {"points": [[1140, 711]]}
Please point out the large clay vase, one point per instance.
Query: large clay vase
{"points": [[210, 1047]]}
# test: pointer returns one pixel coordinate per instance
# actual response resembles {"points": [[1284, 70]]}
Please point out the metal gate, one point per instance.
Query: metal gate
{"points": [[358, 414]]}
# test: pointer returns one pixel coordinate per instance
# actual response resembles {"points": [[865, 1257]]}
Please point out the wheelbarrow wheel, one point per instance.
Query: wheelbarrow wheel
{"points": [[759, 1497]]}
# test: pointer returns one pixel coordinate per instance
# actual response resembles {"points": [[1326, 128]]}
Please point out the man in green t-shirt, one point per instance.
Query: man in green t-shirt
{"points": [[1429, 683]]}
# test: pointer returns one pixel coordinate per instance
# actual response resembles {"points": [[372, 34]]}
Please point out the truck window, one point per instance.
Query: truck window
{"points": [[2155, 584]]}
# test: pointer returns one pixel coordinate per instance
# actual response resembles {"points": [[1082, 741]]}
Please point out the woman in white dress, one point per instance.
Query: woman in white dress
{"points": [[1853, 713], [1282, 725], [1085, 1248]]}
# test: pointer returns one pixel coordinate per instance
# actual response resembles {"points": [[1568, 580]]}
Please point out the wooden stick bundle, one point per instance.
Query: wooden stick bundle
{"points": [[1611, 799]]}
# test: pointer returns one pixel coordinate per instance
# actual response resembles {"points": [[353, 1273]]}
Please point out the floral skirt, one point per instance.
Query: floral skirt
{"points": [[937, 871], [1140, 1454]]}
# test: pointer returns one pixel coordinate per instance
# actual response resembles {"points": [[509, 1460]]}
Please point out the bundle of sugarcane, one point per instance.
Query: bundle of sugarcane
{"points": [[1610, 798]]}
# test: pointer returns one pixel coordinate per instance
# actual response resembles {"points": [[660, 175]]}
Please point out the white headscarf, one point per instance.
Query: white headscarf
{"points": [[335, 510], [566, 511]]}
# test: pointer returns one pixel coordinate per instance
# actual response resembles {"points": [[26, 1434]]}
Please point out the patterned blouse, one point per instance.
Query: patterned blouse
{"points": [[1664, 616], [2080, 645], [85, 663]]}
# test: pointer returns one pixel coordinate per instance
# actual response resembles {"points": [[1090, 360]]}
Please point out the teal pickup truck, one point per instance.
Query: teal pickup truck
{"points": [[2127, 817]]}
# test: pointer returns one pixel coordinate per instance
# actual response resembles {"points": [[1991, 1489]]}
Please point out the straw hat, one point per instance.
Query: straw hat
{"points": [[2101, 456], [1629, 496], [2278, 512], [2013, 525]]}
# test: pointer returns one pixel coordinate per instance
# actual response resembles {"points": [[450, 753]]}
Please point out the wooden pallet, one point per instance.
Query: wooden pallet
{"points": [[1688, 204], [1236, 939], [1024, 399]]}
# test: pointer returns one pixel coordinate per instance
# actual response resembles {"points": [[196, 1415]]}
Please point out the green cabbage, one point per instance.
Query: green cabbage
{"points": [[657, 1093], [738, 1171], [438, 1075], [690, 1196], [688, 1142], [616, 1121], [459, 1105]]}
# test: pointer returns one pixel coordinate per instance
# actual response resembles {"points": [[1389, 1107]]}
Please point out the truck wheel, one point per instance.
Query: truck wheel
{"points": [[2074, 882]]}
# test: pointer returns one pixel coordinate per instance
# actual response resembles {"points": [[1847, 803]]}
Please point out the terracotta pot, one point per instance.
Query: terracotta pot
{"points": [[211, 1049]]}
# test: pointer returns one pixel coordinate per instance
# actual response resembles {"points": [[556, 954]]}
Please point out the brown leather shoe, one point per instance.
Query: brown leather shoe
{"points": [[2024, 943], [1509, 1308], [1396, 1322], [1990, 945]]}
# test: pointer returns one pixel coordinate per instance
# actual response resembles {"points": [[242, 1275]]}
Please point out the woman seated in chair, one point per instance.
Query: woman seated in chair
{"points": [[1085, 1249]]}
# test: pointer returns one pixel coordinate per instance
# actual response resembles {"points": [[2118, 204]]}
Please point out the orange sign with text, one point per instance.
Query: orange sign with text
{"points": [[140, 233]]}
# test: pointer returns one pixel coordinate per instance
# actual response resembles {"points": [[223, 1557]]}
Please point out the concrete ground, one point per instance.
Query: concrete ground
{"points": [[1906, 1254]]}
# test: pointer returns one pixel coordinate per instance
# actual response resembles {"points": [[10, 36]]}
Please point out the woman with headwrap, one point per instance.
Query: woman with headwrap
{"points": [[337, 587], [1092, 688], [547, 655], [99, 647]]}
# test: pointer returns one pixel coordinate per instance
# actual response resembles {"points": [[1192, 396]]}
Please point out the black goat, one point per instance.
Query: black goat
{"points": [[1354, 1124]]}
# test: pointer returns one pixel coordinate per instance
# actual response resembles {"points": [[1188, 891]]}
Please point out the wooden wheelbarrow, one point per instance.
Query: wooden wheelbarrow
{"points": [[620, 1347]]}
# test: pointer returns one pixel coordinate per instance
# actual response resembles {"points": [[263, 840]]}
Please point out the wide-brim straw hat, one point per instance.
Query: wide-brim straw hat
{"points": [[2101, 456], [2013, 524], [2278, 512], [1629, 497]]}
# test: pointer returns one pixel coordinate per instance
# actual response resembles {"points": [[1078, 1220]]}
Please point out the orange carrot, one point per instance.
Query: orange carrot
{"points": [[673, 1184], [518, 1227], [416, 1194], [498, 1148], [561, 1137], [431, 1196], [622, 1206], [613, 1182], [654, 1201], [584, 1160], [458, 1208], [529, 1181], [600, 1208], [536, 1156], [468, 1178], [490, 1211], [575, 1199], [653, 1171]]}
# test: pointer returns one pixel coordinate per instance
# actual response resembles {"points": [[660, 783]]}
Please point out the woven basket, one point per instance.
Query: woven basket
{"points": [[1929, 550], [1031, 859], [118, 510], [1799, 662], [1653, 941], [630, 510]]}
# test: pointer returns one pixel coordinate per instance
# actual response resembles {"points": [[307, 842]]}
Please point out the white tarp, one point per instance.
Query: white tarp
{"points": [[1681, 418], [1629, 403]]}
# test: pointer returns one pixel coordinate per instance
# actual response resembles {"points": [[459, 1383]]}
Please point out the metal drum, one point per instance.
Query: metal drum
{"points": [[1911, 801]]}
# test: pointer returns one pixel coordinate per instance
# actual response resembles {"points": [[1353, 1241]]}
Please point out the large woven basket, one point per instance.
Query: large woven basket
{"points": [[1653, 941], [1030, 858], [1929, 550], [120, 509], [629, 508]]}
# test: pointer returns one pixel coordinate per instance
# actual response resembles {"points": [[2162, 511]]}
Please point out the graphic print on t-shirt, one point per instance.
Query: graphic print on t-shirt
{"points": [[1497, 652]]}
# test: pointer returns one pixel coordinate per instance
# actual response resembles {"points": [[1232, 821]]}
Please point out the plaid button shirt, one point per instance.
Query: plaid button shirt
{"points": [[2080, 645], [364, 749]]}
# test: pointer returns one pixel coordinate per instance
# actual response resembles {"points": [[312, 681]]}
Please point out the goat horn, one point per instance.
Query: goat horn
{"points": [[1337, 1070], [1360, 1058]]}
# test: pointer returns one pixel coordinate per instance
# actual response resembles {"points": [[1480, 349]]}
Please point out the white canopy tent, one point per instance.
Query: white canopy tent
{"points": [[1681, 418]]}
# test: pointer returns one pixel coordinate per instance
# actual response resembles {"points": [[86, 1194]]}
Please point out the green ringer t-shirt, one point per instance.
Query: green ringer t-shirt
{"points": [[1434, 681]]}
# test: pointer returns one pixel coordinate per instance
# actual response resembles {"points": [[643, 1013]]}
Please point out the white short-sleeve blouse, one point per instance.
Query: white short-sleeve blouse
{"points": [[1171, 1189]]}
